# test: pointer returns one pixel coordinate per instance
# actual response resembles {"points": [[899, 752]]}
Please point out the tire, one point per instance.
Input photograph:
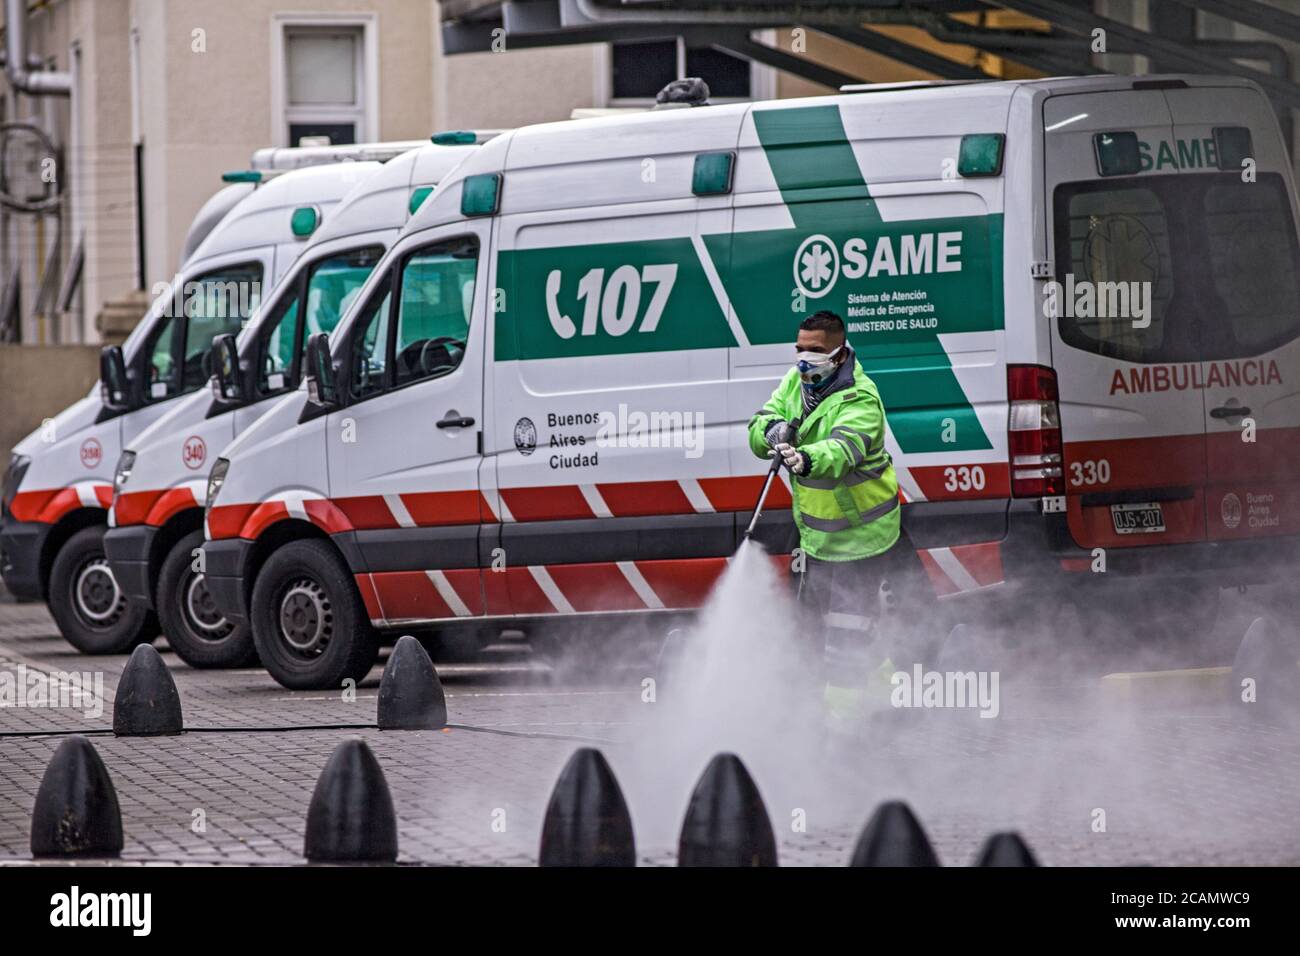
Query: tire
{"points": [[198, 633], [328, 639], [90, 609]]}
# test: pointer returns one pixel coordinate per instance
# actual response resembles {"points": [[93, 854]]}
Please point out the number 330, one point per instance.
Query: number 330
{"points": [[963, 478]]}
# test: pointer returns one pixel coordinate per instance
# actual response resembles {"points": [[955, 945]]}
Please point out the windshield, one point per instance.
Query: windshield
{"points": [[1214, 258]]}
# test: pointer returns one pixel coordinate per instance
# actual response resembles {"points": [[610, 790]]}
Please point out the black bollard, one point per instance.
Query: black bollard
{"points": [[351, 819], [1265, 678], [1005, 849], [893, 837], [726, 822], [587, 823], [76, 812], [410, 693], [146, 703]]}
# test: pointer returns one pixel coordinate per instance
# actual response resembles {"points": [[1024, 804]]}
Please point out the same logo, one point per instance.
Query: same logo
{"points": [[816, 266], [1230, 510], [194, 452], [525, 436], [92, 453]]}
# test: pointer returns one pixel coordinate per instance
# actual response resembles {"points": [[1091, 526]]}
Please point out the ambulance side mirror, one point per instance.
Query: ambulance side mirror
{"points": [[321, 387], [114, 387], [225, 360]]}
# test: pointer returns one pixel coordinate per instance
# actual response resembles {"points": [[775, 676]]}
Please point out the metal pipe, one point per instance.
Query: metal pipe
{"points": [[20, 77]]}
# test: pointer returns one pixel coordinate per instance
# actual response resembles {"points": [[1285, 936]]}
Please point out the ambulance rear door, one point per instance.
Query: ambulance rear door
{"points": [[1125, 336], [1241, 216]]}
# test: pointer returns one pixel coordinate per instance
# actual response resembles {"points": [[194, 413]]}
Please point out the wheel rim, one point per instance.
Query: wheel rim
{"points": [[306, 618], [98, 601], [200, 611]]}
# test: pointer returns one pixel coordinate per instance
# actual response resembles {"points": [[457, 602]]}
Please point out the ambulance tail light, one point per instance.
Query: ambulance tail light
{"points": [[1034, 432]]}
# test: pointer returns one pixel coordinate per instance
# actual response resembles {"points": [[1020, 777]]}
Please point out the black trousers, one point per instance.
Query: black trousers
{"points": [[850, 609]]}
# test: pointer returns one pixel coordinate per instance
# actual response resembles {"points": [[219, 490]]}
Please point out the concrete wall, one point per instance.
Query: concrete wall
{"points": [[37, 383], [206, 98], [516, 87]]}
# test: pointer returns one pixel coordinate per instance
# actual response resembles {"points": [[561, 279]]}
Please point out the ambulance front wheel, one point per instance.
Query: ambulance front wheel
{"points": [[87, 603], [309, 625], [199, 634]]}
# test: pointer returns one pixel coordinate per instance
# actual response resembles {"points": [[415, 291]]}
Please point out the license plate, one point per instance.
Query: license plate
{"points": [[1144, 518]]}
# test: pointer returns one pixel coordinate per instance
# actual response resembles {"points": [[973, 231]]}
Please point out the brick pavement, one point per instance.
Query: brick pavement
{"points": [[1175, 788]]}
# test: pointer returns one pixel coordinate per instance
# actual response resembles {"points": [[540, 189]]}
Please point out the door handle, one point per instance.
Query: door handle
{"points": [[1229, 411], [461, 422]]}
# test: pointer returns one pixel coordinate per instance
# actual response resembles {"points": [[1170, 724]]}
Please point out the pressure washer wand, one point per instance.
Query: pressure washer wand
{"points": [[762, 497]]}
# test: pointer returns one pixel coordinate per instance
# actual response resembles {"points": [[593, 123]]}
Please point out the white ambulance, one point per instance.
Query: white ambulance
{"points": [[156, 521], [537, 406], [59, 483]]}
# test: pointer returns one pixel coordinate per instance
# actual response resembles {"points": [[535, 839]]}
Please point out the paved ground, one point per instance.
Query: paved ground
{"points": [[1084, 780]]}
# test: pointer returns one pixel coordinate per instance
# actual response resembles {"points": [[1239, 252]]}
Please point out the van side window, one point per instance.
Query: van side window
{"points": [[370, 347], [163, 382], [216, 303], [279, 346], [437, 293], [331, 286]]}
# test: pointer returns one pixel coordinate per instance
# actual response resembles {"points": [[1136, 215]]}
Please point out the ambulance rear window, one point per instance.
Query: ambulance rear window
{"points": [[1177, 268], [1252, 246], [1116, 240]]}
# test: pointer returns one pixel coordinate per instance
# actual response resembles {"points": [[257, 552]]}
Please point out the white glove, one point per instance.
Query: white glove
{"points": [[794, 459]]}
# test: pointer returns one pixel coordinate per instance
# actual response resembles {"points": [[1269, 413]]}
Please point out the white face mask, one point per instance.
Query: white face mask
{"points": [[814, 367]]}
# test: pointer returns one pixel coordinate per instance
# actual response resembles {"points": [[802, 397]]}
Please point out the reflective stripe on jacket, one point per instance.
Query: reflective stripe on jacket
{"points": [[846, 507]]}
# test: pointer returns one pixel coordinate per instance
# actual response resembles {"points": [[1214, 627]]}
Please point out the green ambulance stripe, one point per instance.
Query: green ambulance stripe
{"points": [[817, 173], [812, 161]]}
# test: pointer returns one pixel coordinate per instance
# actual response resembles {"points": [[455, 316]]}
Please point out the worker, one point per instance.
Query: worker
{"points": [[827, 424]]}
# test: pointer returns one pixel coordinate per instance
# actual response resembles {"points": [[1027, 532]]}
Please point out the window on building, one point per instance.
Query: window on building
{"points": [[640, 69], [324, 85]]}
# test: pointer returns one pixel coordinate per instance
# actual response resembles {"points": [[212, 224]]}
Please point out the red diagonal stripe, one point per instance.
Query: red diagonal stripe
{"points": [[741, 493], [682, 583], [443, 507], [525, 596], [170, 503], [369, 598], [133, 507], [938, 577], [226, 521], [983, 561], [262, 517], [327, 515], [366, 511], [409, 594], [466, 582], [27, 505], [595, 587], [631, 498], [546, 503]]}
